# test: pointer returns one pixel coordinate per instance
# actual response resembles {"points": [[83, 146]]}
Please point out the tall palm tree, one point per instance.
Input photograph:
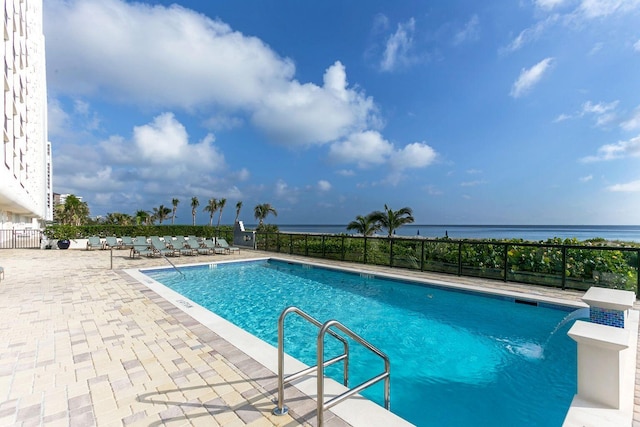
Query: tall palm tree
{"points": [[392, 220], [161, 213], [260, 212], [221, 204], [365, 225], [174, 202], [238, 207], [211, 207], [194, 205]]}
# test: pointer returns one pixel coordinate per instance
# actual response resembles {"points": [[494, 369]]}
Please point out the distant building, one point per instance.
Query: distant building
{"points": [[26, 197], [59, 199]]}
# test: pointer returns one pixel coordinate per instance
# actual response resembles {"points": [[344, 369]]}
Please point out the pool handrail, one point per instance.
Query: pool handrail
{"points": [[325, 328]]}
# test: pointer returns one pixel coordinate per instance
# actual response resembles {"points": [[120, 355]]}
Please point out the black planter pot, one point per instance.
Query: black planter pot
{"points": [[64, 243]]}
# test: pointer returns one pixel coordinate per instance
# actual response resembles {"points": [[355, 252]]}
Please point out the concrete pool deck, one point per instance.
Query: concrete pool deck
{"points": [[82, 344]]}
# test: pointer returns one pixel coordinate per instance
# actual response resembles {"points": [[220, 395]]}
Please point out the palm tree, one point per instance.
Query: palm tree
{"points": [[211, 207], [73, 212], [161, 213], [392, 220], [174, 202], [221, 204], [194, 205], [142, 217], [365, 225], [238, 207], [260, 212], [117, 218]]}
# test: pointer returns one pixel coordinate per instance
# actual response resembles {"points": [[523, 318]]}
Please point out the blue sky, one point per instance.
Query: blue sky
{"points": [[468, 112]]}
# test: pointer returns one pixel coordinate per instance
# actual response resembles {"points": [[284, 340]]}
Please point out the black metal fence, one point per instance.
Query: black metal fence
{"points": [[548, 264], [20, 239]]}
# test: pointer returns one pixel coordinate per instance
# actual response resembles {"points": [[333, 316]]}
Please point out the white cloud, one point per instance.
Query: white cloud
{"points": [[621, 149], [165, 141], [324, 185], [530, 77], [629, 187], [346, 172], [576, 15], [432, 190], [470, 32], [633, 123], [303, 114], [586, 178], [636, 46], [603, 113], [203, 61], [562, 117], [472, 183], [397, 51], [370, 148], [284, 192], [243, 174], [57, 118], [530, 34], [364, 148], [549, 4], [415, 155], [591, 9]]}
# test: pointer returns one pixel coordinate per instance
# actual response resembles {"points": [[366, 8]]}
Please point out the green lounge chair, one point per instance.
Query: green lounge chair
{"points": [[179, 245], [197, 246], [223, 244], [161, 247], [211, 245], [127, 242], [111, 242], [142, 249], [94, 242]]}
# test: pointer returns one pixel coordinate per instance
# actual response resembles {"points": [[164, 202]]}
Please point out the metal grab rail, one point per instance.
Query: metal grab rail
{"points": [[325, 328]]}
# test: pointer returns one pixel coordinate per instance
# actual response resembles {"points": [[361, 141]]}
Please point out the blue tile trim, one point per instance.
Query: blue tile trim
{"points": [[604, 316]]}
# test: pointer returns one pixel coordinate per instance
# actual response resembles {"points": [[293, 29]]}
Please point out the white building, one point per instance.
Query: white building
{"points": [[25, 158]]}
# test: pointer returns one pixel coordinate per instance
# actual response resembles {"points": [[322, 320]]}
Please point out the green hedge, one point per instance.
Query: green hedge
{"points": [[59, 231]]}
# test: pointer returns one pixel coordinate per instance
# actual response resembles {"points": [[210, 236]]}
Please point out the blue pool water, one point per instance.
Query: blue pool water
{"points": [[457, 358]]}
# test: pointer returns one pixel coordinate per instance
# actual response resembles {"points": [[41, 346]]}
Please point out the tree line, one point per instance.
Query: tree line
{"points": [[76, 212]]}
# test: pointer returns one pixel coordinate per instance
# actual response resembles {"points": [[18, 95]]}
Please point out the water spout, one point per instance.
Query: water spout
{"points": [[580, 313]]}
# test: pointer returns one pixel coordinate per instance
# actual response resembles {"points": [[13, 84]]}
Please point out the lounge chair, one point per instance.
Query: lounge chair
{"points": [[126, 242], [179, 245], [142, 249], [161, 247], [223, 244], [111, 242], [94, 242], [210, 244], [193, 243], [140, 240]]}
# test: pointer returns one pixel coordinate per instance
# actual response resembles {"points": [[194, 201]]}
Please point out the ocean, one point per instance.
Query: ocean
{"points": [[626, 233]]}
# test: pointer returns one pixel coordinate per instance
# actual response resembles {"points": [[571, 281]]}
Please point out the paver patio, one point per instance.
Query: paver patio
{"points": [[83, 344]]}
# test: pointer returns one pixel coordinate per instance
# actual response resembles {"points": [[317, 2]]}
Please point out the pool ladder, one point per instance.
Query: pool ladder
{"points": [[325, 328]]}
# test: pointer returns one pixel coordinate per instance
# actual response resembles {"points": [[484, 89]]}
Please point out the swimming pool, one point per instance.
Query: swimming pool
{"points": [[457, 358]]}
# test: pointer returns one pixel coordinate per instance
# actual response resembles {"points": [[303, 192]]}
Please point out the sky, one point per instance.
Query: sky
{"points": [[500, 112]]}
